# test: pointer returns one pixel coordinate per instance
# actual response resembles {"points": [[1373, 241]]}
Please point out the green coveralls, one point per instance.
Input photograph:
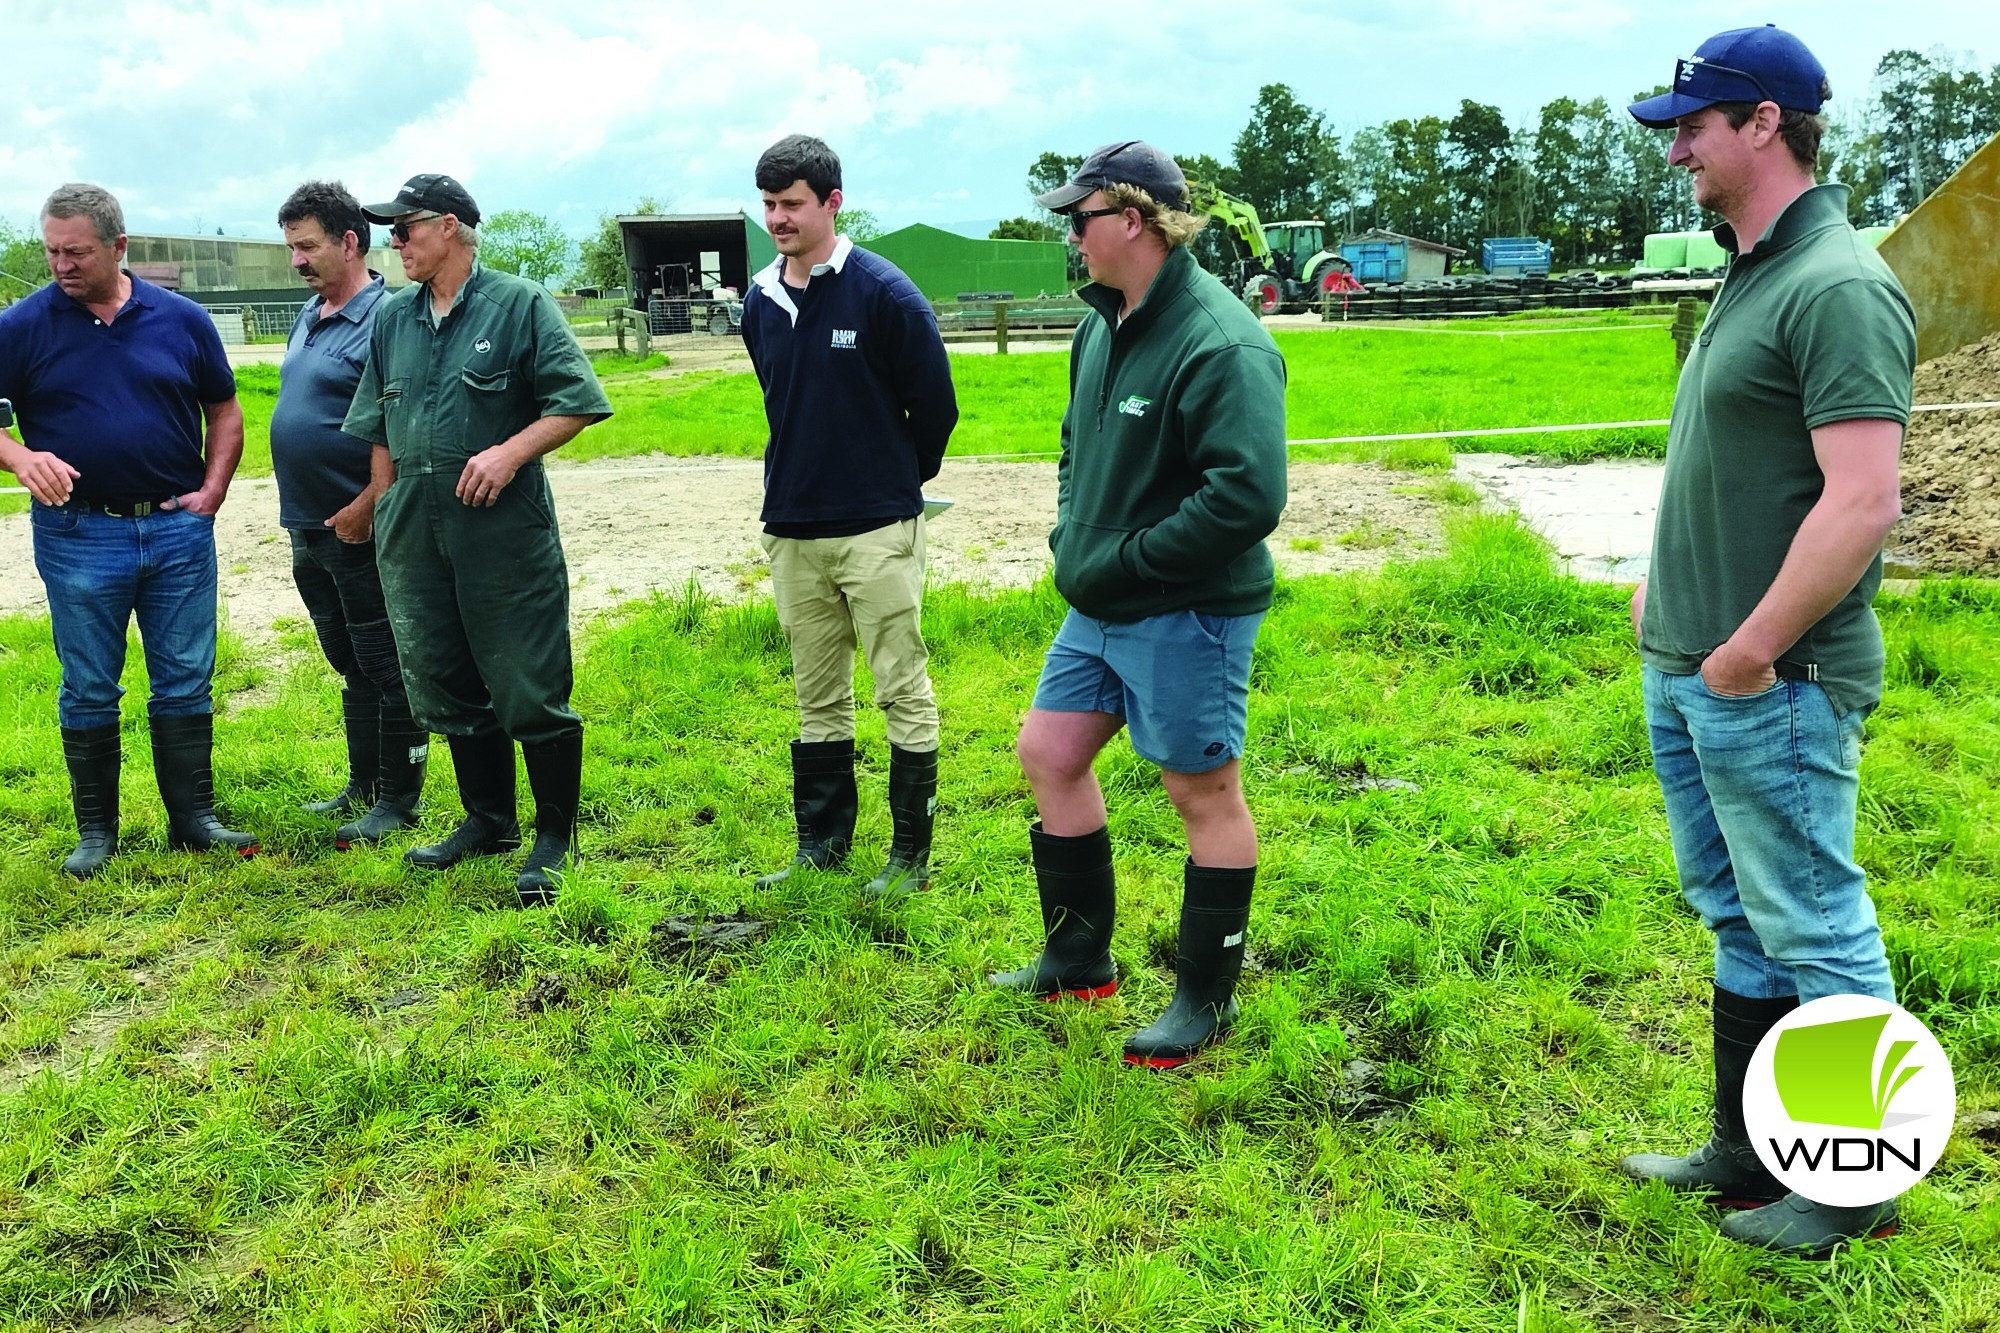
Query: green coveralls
{"points": [[478, 597]]}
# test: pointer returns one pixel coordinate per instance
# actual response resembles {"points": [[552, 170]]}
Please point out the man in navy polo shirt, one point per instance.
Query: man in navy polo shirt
{"points": [[326, 500], [858, 394], [130, 432]]}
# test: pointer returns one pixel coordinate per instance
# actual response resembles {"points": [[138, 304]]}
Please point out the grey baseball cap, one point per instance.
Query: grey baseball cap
{"points": [[1133, 162], [428, 193]]}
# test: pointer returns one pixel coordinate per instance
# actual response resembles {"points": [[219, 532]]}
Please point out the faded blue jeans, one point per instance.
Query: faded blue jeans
{"points": [[1760, 795], [101, 572]]}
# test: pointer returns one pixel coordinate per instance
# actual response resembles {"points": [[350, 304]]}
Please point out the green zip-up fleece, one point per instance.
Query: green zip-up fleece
{"points": [[1173, 453]]}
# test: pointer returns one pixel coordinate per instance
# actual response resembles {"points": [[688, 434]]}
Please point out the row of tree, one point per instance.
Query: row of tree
{"points": [[1582, 174]]}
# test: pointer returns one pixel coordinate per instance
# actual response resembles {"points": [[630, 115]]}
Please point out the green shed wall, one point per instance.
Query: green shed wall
{"points": [[943, 264]]}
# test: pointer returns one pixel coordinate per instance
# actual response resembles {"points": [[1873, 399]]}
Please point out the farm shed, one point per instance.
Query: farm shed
{"points": [[699, 250], [246, 269], [1379, 256]]}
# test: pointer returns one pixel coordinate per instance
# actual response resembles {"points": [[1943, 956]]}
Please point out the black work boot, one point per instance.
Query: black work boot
{"points": [[1726, 1166], [824, 803], [1079, 893], [399, 782], [1215, 912], [485, 767], [1797, 1225], [91, 754], [913, 807], [183, 750], [361, 718], [555, 776]]}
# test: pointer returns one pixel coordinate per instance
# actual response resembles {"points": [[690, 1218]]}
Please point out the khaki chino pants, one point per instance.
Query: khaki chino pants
{"points": [[835, 591]]}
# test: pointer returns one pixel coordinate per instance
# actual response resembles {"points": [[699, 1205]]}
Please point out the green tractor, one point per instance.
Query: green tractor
{"points": [[1281, 267]]}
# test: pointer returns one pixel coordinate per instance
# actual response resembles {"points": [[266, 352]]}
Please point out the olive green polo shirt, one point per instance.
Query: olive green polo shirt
{"points": [[1809, 328], [439, 391]]}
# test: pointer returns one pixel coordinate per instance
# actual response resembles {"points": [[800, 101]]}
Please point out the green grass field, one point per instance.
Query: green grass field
{"points": [[326, 1094], [1347, 382]]}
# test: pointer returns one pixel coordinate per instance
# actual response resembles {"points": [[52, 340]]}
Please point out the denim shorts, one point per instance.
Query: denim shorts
{"points": [[1181, 681]]}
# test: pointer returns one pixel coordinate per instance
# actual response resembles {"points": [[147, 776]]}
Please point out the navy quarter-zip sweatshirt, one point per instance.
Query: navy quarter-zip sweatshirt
{"points": [[857, 390]]}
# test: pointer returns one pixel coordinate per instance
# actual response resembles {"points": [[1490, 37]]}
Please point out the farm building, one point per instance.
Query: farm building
{"points": [[1379, 256], [248, 270], [944, 264], [674, 253]]}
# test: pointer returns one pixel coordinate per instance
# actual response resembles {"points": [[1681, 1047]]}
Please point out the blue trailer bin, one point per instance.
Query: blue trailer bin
{"points": [[1377, 262], [1515, 256]]}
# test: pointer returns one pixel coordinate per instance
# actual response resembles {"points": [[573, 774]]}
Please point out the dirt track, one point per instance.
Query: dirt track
{"points": [[633, 526]]}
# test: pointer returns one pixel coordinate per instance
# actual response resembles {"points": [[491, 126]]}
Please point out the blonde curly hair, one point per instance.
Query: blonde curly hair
{"points": [[1169, 224]]}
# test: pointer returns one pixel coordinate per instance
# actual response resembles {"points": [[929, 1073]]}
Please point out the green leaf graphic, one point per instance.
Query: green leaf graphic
{"points": [[1826, 1073]]}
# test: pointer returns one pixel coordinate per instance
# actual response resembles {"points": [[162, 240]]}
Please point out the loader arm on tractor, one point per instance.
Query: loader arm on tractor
{"points": [[1272, 282]]}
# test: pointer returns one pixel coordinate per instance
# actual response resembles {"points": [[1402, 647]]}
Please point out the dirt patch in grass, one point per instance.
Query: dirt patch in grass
{"points": [[635, 526], [1951, 467]]}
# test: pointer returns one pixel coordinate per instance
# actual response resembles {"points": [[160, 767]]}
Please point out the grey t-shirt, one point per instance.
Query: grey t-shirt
{"points": [[320, 468]]}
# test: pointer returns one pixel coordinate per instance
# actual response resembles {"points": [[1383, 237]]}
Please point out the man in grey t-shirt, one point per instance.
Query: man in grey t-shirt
{"points": [[326, 500]]}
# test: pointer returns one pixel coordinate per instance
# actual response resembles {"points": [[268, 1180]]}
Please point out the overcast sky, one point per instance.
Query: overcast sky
{"points": [[205, 115]]}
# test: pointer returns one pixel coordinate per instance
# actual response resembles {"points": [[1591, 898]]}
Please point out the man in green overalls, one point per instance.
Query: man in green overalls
{"points": [[472, 376]]}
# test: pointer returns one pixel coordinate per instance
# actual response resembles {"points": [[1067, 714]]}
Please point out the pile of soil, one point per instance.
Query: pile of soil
{"points": [[1951, 467]]}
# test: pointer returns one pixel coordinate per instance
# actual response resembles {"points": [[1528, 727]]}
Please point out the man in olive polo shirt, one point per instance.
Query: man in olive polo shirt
{"points": [[1762, 653], [472, 376]]}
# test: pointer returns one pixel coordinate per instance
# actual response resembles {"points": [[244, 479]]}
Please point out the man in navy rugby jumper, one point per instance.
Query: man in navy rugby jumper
{"points": [[860, 403]]}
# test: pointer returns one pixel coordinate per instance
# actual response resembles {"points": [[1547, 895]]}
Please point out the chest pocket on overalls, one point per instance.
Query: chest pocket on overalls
{"points": [[487, 414]]}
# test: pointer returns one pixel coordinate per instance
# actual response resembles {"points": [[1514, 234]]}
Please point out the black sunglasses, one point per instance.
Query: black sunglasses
{"points": [[1079, 218], [1685, 69], [401, 230]]}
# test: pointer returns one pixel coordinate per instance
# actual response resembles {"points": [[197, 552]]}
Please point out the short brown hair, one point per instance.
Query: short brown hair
{"points": [[1801, 130], [1169, 224]]}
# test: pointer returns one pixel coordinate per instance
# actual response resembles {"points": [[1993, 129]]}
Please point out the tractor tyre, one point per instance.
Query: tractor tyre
{"points": [[1265, 294]]}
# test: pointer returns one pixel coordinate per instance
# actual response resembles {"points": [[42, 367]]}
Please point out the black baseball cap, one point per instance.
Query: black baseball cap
{"points": [[1133, 162], [1764, 64], [428, 193]]}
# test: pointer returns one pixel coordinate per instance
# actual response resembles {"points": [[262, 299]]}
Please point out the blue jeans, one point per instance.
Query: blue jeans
{"points": [[1181, 681], [100, 572], [1760, 795]]}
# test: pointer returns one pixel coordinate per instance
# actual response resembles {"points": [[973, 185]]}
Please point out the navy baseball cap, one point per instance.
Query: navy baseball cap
{"points": [[1130, 163], [428, 193], [1764, 64]]}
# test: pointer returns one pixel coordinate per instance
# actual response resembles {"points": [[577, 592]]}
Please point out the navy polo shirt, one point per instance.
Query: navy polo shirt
{"points": [[320, 467], [119, 402]]}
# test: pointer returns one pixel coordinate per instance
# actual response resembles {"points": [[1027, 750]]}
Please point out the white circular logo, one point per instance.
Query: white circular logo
{"points": [[1849, 1101], [483, 346]]}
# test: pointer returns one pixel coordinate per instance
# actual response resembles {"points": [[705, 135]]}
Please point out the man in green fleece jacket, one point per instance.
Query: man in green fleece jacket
{"points": [[1172, 475]]}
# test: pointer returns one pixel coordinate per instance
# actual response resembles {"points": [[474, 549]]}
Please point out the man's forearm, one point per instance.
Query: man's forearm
{"points": [[544, 435], [1828, 556], [222, 445]]}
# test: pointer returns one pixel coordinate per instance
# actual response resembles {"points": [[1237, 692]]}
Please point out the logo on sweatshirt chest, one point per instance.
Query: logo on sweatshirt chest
{"points": [[844, 338], [1135, 406]]}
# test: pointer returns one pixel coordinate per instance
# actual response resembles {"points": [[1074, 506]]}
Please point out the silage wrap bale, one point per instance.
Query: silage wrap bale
{"points": [[1704, 251], [1667, 249]]}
